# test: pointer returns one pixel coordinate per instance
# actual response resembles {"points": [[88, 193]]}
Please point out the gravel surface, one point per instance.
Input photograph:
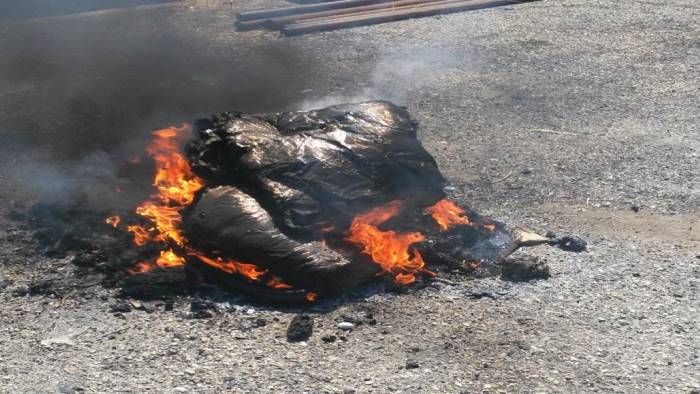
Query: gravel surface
{"points": [[573, 116]]}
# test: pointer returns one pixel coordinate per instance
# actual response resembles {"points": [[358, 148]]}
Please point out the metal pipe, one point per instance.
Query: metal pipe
{"points": [[388, 16], [281, 21], [370, 12], [301, 9]]}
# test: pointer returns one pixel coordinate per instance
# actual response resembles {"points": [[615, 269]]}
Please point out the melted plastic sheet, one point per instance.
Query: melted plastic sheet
{"points": [[279, 184]]}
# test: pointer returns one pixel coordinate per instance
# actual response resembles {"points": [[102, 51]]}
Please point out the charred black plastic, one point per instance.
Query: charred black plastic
{"points": [[316, 169], [278, 184], [227, 221]]}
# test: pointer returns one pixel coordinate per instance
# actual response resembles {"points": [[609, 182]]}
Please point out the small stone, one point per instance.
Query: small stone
{"points": [[201, 315], [69, 389], [201, 305], [635, 208], [524, 269], [149, 307], [180, 389], [411, 364], [201, 309], [120, 306], [328, 338], [346, 326], [572, 244], [300, 328]]}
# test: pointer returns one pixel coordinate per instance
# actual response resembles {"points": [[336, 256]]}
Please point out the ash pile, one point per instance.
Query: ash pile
{"points": [[292, 207]]}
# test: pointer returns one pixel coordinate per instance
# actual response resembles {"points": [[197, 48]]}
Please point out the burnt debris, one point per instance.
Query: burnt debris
{"points": [[287, 207], [283, 189]]}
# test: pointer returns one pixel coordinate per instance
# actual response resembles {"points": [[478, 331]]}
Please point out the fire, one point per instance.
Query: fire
{"points": [[113, 221], [447, 214], [276, 283], [176, 187], [140, 268], [389, 249], [250, 271], [141, 235], [168, 259]]}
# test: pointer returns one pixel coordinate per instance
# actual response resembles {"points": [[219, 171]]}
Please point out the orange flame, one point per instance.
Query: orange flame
{"points": [[113, 221], [176, 186], [447, 214], [276, 283], [389, 249], [141, 235], [250, 271], [169, 259], [140, 268]]}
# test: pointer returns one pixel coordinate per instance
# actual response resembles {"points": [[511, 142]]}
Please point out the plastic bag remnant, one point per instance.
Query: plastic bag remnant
{"points": [[316, 169], [280, 185]]}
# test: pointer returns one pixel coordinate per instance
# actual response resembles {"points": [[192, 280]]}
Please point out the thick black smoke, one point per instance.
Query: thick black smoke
{"points": [[81, 92]]}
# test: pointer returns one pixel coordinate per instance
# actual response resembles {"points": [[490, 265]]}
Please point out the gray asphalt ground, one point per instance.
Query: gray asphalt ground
{"points": [[556, 115]]}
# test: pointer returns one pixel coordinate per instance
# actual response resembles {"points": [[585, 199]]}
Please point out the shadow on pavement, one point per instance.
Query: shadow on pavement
{"points": [[14, 10]]}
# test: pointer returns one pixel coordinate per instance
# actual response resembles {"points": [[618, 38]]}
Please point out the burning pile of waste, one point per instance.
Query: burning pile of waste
{"points": [[307, 203]]}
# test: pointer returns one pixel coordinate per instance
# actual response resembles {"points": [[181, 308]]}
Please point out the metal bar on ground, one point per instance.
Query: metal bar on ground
{"points": [[301, 9], [371, 12], [381, 17], [281, 21]]}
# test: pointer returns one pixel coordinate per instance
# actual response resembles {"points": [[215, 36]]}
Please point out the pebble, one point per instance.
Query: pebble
{"points": [[69, 389], [300, 328], [120, 306], [328, 338], [346, 326]]}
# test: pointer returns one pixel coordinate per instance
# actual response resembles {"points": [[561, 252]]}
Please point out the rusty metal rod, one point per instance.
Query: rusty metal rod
{"points": [[301, 9], [381, 12], [388, 16], [281, 21], [393, 9]]}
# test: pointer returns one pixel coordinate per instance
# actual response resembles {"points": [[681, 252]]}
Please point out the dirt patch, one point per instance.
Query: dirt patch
{"points": [[682, 230]]}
